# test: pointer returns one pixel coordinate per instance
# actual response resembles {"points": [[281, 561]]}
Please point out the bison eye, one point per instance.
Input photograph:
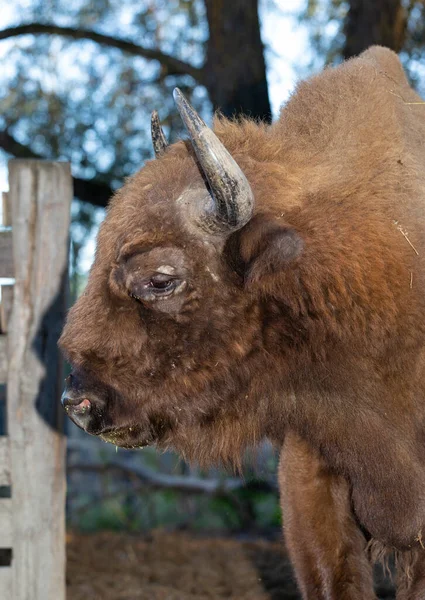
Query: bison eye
{"points": [[162, 285], [156, 286]]}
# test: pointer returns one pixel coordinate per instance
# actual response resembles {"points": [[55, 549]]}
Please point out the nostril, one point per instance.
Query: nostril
{"points": [[75, 405], [78, 408]]}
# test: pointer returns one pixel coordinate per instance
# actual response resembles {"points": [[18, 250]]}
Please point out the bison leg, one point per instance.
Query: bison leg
{"points": [[326, 547], [411, 575]]}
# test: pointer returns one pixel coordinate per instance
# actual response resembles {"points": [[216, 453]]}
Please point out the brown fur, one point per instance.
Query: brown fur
{"points": [[310, 320]]}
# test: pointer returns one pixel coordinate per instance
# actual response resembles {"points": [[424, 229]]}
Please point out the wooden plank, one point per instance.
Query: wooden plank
{"points": [[5, 306], [4, 461], [3, 426], [6, 217], [3, 359], [40, 198], [6, 582], [6, 255], [6, 524]]}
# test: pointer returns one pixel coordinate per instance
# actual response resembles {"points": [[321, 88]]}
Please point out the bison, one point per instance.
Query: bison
{"points": [[268, 281]]}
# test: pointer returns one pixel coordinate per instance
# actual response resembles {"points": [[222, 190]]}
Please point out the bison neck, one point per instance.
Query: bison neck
{"points": [[366, 420]]}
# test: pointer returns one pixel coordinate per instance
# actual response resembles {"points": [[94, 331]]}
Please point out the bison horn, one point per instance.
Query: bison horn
{"points": [[159, 141], [232, 194]]}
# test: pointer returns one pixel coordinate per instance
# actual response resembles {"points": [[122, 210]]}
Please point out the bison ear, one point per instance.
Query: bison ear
{"points": [[267, 247]]}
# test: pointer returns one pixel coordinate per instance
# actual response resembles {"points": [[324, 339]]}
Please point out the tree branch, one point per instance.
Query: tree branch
{"points": [[87, 190], [178, 483], [12, 146], [174, 66], [151, 478], [95, 192]]}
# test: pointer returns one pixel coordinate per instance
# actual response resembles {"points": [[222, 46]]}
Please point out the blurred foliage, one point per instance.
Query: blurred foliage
{"points": [[326, 20], [115, 501], [89, 103]]}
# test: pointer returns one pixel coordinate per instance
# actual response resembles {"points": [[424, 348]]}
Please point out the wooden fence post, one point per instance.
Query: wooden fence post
{"points": [[40, 197]]}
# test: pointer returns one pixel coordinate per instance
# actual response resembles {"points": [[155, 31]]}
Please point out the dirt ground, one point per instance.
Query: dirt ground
{"points": [[177, 566]]}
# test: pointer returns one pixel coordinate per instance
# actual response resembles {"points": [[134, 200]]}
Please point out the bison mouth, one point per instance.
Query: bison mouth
{"points": [[101, 411], [154, 431], [86, 415], [129, 437]]}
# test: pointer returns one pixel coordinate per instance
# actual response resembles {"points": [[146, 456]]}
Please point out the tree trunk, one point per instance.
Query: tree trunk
{"points": [[371, 22], [235, 70]]}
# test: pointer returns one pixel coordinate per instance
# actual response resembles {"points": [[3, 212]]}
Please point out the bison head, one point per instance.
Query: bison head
{"points": [[172, 342]]}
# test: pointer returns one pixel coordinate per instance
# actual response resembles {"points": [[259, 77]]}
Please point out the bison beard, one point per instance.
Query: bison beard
{"points": [[268, 281]]}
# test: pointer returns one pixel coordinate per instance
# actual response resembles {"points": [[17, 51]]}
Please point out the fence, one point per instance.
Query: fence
{"points": [[33, 251]]}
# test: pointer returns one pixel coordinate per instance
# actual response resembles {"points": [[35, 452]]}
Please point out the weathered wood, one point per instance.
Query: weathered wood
{"points": [[40, 197], [3, 359], [3, 428], [6, 582], [6, 255], [6, 218], [5, 306], [4, 463], [6, 525]]}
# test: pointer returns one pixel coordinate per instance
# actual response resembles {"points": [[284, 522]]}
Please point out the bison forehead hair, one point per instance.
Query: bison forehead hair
{"points": [[202, 338]]}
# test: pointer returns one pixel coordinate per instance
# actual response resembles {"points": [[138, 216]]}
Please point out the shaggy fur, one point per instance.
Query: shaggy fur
{"points": [[307, 326]]}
